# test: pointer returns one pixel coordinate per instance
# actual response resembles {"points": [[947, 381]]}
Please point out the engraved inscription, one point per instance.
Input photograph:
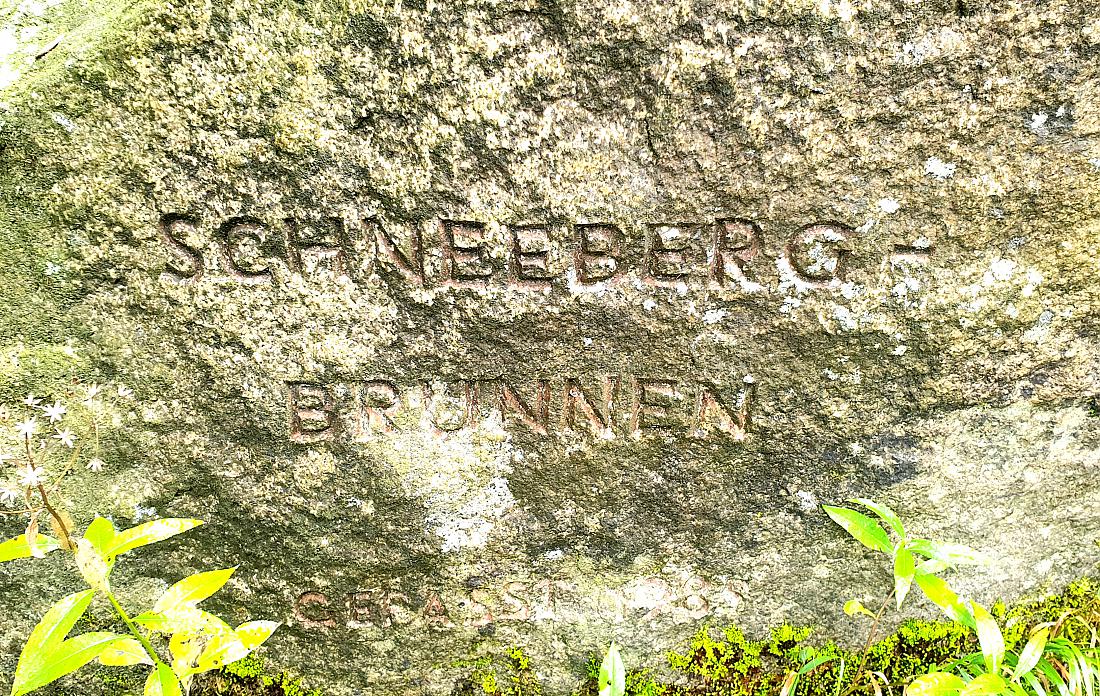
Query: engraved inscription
{"points": [[603, 407], [723, 254]]}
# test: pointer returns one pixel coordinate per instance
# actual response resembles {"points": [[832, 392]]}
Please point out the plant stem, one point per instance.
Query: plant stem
{"points": [[867, 646], [66, 541], [133, 629]]}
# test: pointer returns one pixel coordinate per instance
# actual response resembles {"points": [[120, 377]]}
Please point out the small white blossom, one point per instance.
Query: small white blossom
{"points": [[65, 437], [32, 400], [52, 268], [27, 428], [31, 476], [125, 391], [91, 391], [54, 412], [69, 351], [95, 464], [8, 494]]}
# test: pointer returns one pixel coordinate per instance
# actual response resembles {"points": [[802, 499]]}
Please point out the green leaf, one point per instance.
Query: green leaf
{"points": [[92, 566], [932, 566], [148, 533], [989, 637], [220, 651], [152, 621], [951, 554], [904, 570], [935, 684], [44, 666], [612, 673], [854, 606], [123, 653], [862, 528], [254, 633], [885, 514], [988, 684], [162, 682], [1031, 653], [57, 622], [18, 547], [941, 594], [192, 590], [100, 533]]}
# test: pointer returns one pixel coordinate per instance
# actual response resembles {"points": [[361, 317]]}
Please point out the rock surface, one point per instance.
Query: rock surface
{"points": [[472, 324]]}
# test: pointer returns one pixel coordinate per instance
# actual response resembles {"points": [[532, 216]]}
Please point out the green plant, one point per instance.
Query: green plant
{"points": [[612, 679], [1049, 664], [913, 561], [194, 640]]}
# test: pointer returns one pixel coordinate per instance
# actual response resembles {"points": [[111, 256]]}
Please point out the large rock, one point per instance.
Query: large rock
{"points": [[470, 324]]}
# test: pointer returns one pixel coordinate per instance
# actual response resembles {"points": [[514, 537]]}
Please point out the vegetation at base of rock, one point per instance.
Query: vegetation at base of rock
{"points": [[249, 677], [726, 663], [510, 676]]}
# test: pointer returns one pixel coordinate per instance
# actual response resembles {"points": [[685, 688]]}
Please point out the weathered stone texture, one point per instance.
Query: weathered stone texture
{"points": [[356, 260]]}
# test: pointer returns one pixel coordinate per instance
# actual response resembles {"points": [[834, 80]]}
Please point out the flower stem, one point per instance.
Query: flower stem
{"points": [[133, 629]]}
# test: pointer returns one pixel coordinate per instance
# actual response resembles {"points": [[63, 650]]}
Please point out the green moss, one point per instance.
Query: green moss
{"points": [[727, 663], [249, 677], [510, 676]]}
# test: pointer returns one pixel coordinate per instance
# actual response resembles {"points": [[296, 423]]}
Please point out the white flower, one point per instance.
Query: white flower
{"points": [[91, 390], [125, 391], [8, 494], [69, 351], [27, 428], [65, 437], [54, 412], [95, 464], [32, 400], [31, 476], [52, 268]]}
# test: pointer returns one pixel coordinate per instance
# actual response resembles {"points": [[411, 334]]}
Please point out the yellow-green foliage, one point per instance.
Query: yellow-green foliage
{"points": [[248, 677], [731, 665], [511, 676]]}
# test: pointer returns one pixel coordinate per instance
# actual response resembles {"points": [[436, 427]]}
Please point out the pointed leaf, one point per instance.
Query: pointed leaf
{"points": [[904, 569], [854, 606], [152, 621], [951, 554], [884, 513], [192, 589], [124, 653], [162, 682], [790, 682], [932, 566], [612, 673], [935, 684], [862, 528], [989, 637], [100, 533], [57, 623], [43, 667], [941, 594], [988, 684], [1031, 653], [219, 651], [149, 533], [254, 633], [18, 548]]}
